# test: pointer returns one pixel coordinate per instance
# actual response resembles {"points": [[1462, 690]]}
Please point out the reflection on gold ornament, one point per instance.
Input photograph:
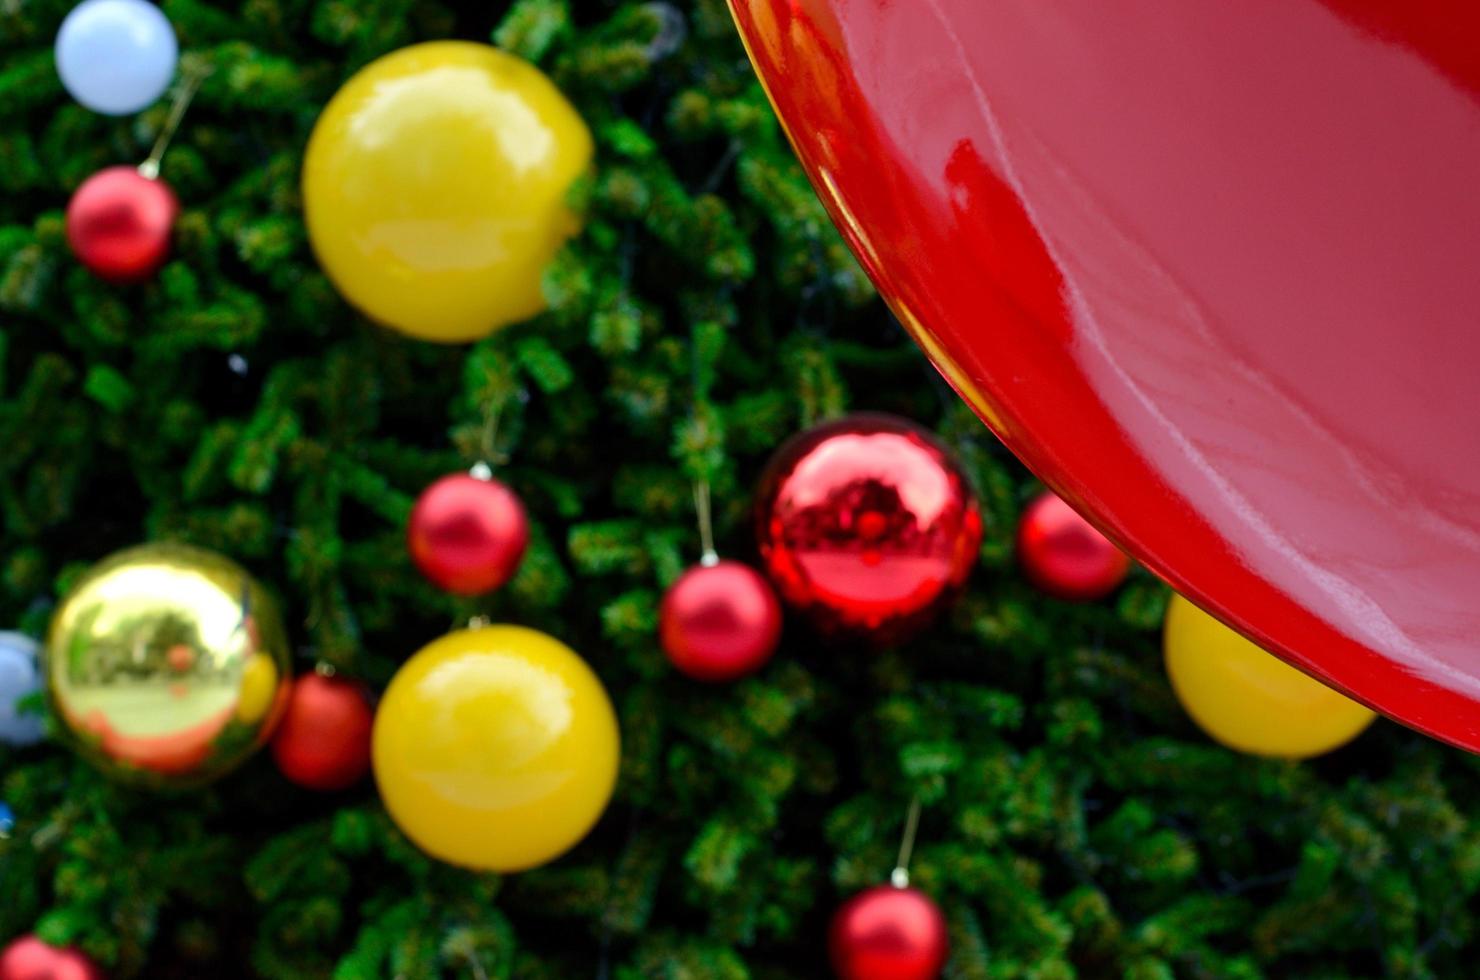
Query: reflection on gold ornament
{"points": [[166, 665]]}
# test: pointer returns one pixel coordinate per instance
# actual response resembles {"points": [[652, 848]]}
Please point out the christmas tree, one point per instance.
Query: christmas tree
{"points": [[1073, 821]]}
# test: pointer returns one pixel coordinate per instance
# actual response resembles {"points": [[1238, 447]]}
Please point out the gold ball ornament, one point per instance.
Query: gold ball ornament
{"points": [[496, 748], [434, 188], [1248, 699], [167, 666]]}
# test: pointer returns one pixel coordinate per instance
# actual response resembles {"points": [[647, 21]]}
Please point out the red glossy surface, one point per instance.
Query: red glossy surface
{"points": [[888, 933], [323, 741], [1064, 554], [720, 622], [866, 526], [467, 535], [119, 224], [28, 958], [1210, 269]]}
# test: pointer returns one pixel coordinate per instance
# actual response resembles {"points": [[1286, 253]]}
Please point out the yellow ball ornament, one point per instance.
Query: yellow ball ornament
{"points": [[434, 188], [1251, 700], [165, 665], [496, 748]]}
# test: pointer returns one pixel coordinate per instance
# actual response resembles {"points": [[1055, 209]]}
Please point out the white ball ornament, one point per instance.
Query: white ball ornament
{"points": [[116, 56], [20, 677]]}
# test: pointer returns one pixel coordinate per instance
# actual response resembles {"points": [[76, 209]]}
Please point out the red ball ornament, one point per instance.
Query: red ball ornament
{"points": [[28, 958], [720, 622], [119, 224], [888, 933], [1064, 555], [468, 534], [323, 741], [867, 526]]}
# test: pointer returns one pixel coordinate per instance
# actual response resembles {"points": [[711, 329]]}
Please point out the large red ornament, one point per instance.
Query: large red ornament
{"points": [[28, 958], [119, 224], [1209, 269], [323, 741], [866, 526], [1064, 555], [468, 533], [888, 933], [720, 622]]}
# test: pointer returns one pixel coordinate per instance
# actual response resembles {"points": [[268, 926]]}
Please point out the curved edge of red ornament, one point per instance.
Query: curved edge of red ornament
{"points": [[1391, 690]]}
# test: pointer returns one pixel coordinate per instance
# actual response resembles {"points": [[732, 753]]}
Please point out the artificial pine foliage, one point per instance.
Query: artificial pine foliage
{"points": [[1075, 823]]}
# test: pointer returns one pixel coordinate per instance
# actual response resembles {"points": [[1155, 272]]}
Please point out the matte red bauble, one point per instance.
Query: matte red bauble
{"points": [[468, 534], [1208, 268], [888, 933], [28, 958], [720, 622], [1064, 555], [866, 526], [119, 224], [323, 741]]}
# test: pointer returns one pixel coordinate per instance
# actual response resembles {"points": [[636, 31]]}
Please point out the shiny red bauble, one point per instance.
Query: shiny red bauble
{"points": [[866, 526], [323, 741], [720, 622], [1064, 555], [888, 933], [119, 224], [28, 958], [468, 534]]}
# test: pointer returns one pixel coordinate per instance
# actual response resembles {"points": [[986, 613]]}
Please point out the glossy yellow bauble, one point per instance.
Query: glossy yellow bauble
{"points": [[434, 188], [496, 748], [165, 665], [1251, 700]]}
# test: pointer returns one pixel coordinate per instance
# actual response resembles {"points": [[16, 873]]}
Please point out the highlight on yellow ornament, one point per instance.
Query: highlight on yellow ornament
{"points": [[435, 187], [496, 748], [165, 665], [1249, 699]]}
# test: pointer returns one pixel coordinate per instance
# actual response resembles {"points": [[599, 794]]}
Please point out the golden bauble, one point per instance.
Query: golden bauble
{"points": [[496, 748], [435, 186], [1251, 700], [167, 665]]}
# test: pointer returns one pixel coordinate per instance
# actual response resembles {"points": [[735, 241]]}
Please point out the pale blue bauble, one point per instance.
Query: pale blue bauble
{"points": [[116, 56], [20, 677]]}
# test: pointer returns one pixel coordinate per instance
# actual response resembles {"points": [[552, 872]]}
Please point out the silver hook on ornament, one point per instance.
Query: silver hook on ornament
{"points": [[900, 876], [709, 557], [149, 169]]}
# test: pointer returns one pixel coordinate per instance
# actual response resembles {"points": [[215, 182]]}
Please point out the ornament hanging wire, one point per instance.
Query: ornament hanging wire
{"points": [[709, 558], [900, 876], [188, 87]]}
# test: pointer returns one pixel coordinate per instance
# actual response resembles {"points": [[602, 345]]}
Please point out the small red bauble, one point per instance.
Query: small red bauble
{"points": [[867, 526], [119, 224], [28, 958], [468, 534], [888, 933], [1064, 555], [720, 622], [323, 741]]}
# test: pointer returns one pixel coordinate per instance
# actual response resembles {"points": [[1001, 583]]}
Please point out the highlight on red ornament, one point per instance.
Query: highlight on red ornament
{"points": [[323, 741], [867, 526], [468, 533], [1065, 555], [119, 224], [28, 958], [888, 933], [720, 621]]}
